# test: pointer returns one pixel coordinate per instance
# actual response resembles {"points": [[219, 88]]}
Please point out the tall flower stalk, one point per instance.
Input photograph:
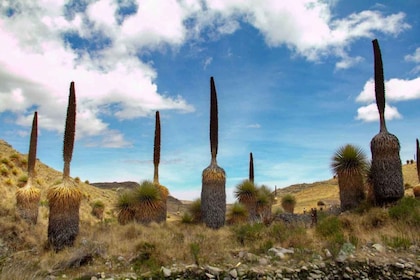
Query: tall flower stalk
{"points": [[64, 199], [251, 168], [213, 191], [386, 169], [27, 198], [163, 208]]}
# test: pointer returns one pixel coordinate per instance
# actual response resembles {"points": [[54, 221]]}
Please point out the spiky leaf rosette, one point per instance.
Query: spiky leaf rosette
{"points": [[213, 196], [386, 169], [237, 214], [148, 203], [156, 150], [350, 164], [63, 223], [265, 200], [27, 203], [246, 193], [69, 131], [125, 206], [251, 168], [32, 147], [417, 158]]}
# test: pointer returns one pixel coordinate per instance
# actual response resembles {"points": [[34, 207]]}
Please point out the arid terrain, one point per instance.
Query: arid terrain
{"points": [[105, 249]]}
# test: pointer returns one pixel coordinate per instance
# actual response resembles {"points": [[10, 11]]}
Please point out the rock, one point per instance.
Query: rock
{"points": [[213, 270], [262, 261], [327, 253], [399, 265], [210, 276], [166, 271], [233, 273], [379, 248]]}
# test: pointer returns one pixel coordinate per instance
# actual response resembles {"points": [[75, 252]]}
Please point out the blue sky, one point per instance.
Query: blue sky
{"points": [[294, 83]]}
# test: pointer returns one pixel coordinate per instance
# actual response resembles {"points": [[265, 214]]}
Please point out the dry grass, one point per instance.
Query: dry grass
{"points": [[113, 248]]}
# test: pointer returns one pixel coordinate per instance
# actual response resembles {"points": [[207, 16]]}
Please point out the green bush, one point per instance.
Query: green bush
{"points": [[397, 242], [375, 218], [330, 229], [407, 210], [248, 232], [187, 218]]}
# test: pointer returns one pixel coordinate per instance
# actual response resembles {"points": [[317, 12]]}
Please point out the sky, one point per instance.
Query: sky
{"points": [[294, 80]]}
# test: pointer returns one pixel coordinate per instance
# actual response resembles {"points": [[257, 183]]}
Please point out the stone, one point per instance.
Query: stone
{"points": [[379, 248], [262, 261], [166, 271], [327, 253], [399, 265], [233, 273], [213, 270]]}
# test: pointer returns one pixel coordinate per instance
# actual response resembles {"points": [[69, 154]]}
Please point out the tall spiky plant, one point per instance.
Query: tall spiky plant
{"points": [[64, 199], [417, 158], [213, 191], [350, 165], [147, 203], [265, 199], [156, 161], [27, 198], [251, 168], [386, 168], [246, 193]]}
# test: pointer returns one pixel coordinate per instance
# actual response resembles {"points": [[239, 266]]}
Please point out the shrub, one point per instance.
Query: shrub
{"points": [[194, 209], [288, 202], [375, 218], [407, 210], [4, 170], [248, 232], [330, 229], [237, 213], [22, 180], [396, 241], [187, 218], [98, 208]]}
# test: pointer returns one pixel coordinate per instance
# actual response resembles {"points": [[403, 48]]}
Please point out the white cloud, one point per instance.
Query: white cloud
{"points": [[38, 61], [395, 90], [415, 57], [207, 62], [370, 113]]}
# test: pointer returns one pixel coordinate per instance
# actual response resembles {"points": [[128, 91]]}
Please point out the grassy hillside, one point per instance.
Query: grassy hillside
{"points": [[105, 247]]}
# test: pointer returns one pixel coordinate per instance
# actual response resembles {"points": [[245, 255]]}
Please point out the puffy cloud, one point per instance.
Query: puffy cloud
{"points": [[370, 113], [395, 90], [48, 43]]}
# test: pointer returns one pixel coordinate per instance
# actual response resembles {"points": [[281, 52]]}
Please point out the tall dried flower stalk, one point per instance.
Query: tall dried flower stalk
{"points": [[64, 199], [251, 168], [27, 198], [213, 192], [386, 168]]}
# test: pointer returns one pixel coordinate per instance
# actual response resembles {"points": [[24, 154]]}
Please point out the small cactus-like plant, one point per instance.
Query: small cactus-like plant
{"points": [[237, 214], [288, 202], [213, 191], [147, 203], [246, 193], [349, 163], [28, 197], [64, 199]]}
